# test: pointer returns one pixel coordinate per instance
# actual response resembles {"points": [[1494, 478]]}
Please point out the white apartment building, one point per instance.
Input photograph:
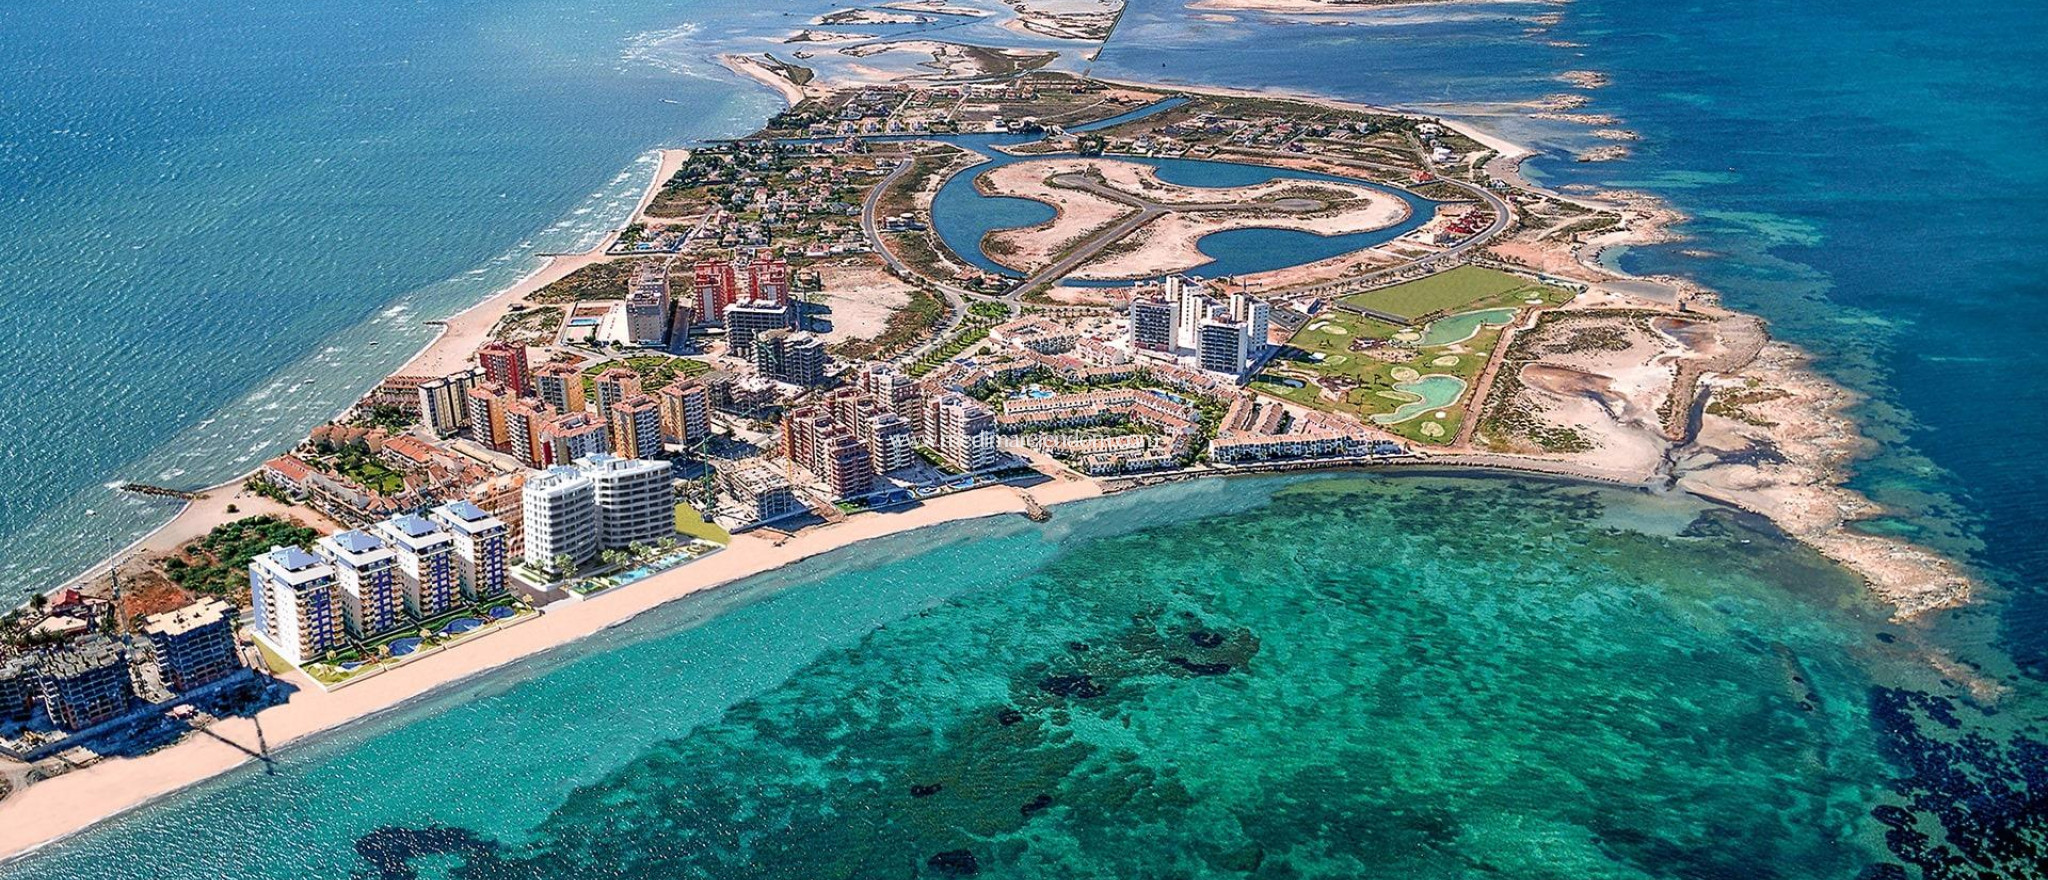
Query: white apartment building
{"points": [[636, 499], [482, 548], [558, 512], [366, 576], [962, 431], [297, 611], [426, 564]]}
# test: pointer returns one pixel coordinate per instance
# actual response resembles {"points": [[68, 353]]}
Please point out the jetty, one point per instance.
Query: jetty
{"points": [[136, 488]]}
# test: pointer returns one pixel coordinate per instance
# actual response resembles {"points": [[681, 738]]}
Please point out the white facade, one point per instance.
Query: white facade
{"points": [[297, 610], [558, 512], [482, 548], [366, 575], [426, 564], [636, 499]]}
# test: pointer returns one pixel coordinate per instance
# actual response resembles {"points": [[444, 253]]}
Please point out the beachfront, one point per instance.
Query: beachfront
{"points": [[1217, 342]]}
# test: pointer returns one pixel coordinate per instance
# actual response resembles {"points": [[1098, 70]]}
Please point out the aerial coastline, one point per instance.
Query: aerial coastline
{"points": [[1802, 420]]}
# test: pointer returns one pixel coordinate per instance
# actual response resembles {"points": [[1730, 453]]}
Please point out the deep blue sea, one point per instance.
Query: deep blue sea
{"points": [[1333, 678]]}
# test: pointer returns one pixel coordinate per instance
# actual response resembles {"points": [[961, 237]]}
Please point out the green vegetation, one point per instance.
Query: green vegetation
{"points": [[267, 489], [692, 523], [1732, 403], [656, 370], [905, 327], [218, 564], [932, 457], [1458, 288], [1384, 373], [530, 326], [362, 466], [391, 418], [597, 281], [981, 317]]}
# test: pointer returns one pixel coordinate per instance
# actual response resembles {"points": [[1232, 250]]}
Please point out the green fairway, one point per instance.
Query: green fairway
{"points": [[1455, 289], [1401, 378]]}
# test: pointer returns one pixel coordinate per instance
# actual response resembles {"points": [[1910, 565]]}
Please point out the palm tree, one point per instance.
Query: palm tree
{"points": [[614, 558]]}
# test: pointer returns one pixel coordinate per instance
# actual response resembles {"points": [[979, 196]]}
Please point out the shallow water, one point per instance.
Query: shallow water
{"points": [[1339, 677]]}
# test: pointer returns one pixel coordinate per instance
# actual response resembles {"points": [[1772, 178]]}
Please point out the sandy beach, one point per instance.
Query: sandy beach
{"points": [[59, 807], [450, 350], [753, 69], [65, 805]]}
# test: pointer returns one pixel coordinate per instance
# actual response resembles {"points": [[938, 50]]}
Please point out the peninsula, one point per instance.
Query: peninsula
{"points": [[980, 287]]}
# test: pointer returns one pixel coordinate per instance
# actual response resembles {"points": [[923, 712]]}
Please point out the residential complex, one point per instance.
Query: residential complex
{"points": [[425, 559], [961, 430], [635, 498], [1180, 322], [366, 579], [483, 548], [296, 610], [86, 682]]}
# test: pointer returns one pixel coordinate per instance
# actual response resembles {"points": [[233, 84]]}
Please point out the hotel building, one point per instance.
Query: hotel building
{"points": [[483, 548], [366, 576], [426, 564], [86, 683], [195, 645], [296, 606]]}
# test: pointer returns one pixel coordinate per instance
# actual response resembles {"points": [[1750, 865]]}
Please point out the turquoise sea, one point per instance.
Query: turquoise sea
{"points": [[1342, 677], [1337, 677]]}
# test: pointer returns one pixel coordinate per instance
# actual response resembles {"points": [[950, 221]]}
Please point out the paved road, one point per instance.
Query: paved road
{"points": [[956, 298]]}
